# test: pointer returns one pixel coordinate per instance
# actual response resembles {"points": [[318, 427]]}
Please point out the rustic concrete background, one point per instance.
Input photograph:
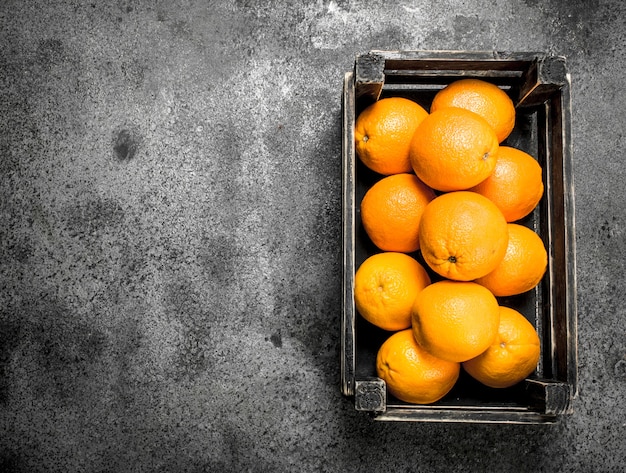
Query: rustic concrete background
{"points": [[170, 235]]}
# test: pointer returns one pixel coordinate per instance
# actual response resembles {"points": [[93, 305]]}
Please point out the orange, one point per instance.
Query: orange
{"points": [[411, 373], [455, 320], [512, 356], [385, 286], [523, 265], [481, 97], [453, 149], [383, 132], [391, 211], [516, 184], [463, 235]]}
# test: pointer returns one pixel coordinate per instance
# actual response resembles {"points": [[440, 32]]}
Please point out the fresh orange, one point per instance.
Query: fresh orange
{"points": [[523, 265], [516, 184], [453, 149], [385, 286], [391, 211], [411, 373], [512, 356], [455, 320], [481, 97], [383, 132], [463, 235]]}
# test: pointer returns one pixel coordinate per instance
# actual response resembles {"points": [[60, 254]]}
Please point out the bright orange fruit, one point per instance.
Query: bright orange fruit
{"points": [[454, 320], [391, 211], [463, 235], [515, 185], [453, 149], [385, 286], [383, 132], [481, 97], [411, 373], [523, 266], [512, 356]]}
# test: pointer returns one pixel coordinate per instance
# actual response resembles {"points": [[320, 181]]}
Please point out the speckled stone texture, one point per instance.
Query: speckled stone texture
{"points": [[170, 224]]}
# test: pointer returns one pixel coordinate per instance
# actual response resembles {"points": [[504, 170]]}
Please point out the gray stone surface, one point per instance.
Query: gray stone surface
{"points": [[170, 235]]}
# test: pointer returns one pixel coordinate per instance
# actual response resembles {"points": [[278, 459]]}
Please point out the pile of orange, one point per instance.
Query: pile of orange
{"points": [[453, 193]]}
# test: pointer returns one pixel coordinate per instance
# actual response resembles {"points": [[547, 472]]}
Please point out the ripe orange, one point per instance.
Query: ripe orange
{"points": [[512, 356], [391, 211], [463, 235], [483, 98], [516, 184], [383, 132], [524, 264], [454, 320], [385, 286], [411, 373], [453, 149]]}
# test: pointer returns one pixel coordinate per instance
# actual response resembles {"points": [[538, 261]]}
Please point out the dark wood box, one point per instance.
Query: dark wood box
{"points": [[539, 85]]}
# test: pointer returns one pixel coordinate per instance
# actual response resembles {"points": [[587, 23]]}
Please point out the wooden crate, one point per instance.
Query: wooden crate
{"points": [[539, 85]]}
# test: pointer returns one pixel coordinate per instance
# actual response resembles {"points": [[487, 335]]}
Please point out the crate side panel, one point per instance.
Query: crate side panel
{"points": [[348, 203]]}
